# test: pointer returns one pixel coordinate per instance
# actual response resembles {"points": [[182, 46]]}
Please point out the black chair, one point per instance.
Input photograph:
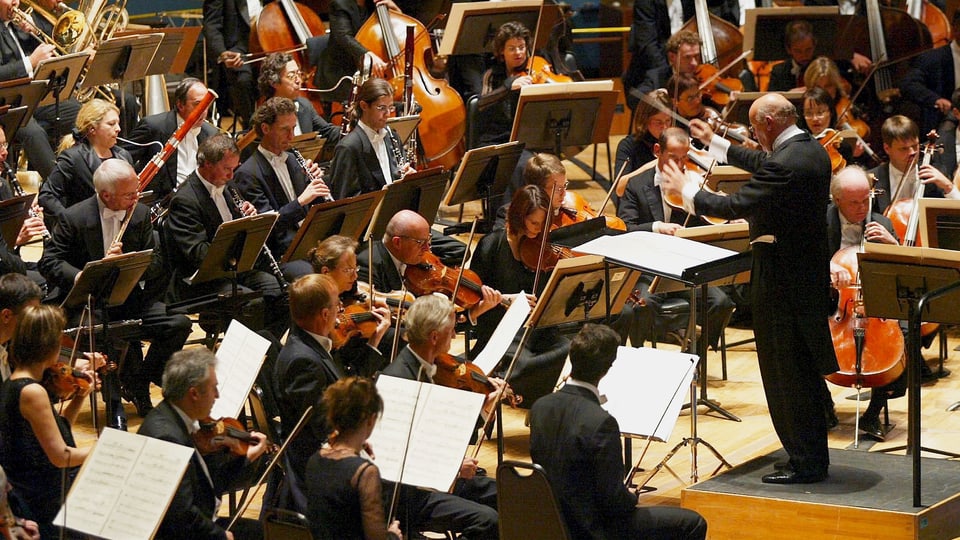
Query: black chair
{"points": [[281, 524], [527, 506]]}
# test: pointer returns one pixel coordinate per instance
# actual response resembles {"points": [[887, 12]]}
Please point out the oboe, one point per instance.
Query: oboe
{"points": [[17, 190], [398, 152], [303, 165], [274, 267]]}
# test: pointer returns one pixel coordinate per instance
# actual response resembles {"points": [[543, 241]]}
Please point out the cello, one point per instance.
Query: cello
{"points": [[443, 115]]}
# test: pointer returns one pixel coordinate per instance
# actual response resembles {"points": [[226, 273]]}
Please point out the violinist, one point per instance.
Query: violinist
{"points": [[932, 79], [471, 509], [16, 293], [643, 207], [497, 261], [189, 392], [547, 172], [848, 225], [649, 122], [502, 82], [684, 90], [820, 119], [226, 28], [336, 256], [36, 443]]}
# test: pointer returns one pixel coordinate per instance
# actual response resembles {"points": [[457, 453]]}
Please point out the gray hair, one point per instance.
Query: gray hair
{"points": [[110, 172], [428, 313], [215, 148], [186, 369]]}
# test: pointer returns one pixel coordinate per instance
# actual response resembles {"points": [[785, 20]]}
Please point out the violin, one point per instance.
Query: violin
{"points": [[675, 200], [355, 320], [733, 131], [465, 375], [830, 140], [717, 89], [431, 276], [224, 434], [576, 209], [62, 381], [529, 251], [541, 72]]}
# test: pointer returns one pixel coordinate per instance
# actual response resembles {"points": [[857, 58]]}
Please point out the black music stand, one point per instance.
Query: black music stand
{"points": [[420, 191], [62, 74], [554, 116], [22, 92], [121, 60], [11, 118], [346, 217], [584, 289], [483, 173], [940, 223], [13, 212], [174, 49], [912, 284], [471, 27], [765, 27]]}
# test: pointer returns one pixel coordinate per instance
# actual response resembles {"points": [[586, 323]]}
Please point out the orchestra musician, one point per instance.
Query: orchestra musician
{"points": [[497, 262], [644, 208], [848, 225], [198, 208], [578, 445], [280, 75], [946, 161], [800, 43], [81, 152], [33, 226], [344, 488], [684, 90], [226, 29], [471, 508], [502, 81], [158, 128], [547, 172], [16, 293], [931, 80], [636, 149], [272, 179], [36, 441], [88, 231], [784, 203], [336, 256], [189, 392], [820, 119]]}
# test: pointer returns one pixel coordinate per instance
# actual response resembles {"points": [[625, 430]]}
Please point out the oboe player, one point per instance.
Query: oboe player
{"points": [[273, 179]]}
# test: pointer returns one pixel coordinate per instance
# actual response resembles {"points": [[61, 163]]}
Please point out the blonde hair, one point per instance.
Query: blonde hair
{"points": [[90, 114], [820, 67]]}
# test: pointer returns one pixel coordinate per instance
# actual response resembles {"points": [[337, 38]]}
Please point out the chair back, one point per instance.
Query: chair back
{"points": [[281, 524], [526, 504]]}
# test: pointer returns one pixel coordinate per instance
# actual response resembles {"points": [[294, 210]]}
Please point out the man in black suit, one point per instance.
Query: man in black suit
{"points": [[87, 232], [158, 128], [189, 392], [272, 179], [784, 203], [801, 44], [946, 161], [577, 443], [643, 208], [847, 226], [471, 508], [226, 27], [932, 79], [198, 208]]}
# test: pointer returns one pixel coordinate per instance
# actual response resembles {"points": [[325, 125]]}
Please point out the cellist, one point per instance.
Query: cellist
{"points": [[847, 226]]}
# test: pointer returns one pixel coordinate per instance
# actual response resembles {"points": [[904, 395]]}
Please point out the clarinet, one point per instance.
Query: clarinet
{"points": [[398, 153], [17, 190], [303, 165], [274, 267]]}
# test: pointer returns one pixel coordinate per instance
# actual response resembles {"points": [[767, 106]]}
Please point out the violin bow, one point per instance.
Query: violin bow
{"points": [[613, 186], [400, 314], [543, 241], [395, 496], [463, 262], [707, 171], [276, 458]]}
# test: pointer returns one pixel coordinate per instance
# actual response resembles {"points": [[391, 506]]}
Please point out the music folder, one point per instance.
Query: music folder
{"points": [[13, 212]]}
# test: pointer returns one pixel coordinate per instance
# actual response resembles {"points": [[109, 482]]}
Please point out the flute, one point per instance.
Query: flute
{"points": [[274, 267]]}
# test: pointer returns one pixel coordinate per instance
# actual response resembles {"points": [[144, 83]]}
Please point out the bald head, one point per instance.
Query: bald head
{"points": [[405, 223], [407, 236], [850, 190], [770, 115]]}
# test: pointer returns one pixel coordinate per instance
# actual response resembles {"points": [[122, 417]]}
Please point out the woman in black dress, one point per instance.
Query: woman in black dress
{"points": [[649, 122]]}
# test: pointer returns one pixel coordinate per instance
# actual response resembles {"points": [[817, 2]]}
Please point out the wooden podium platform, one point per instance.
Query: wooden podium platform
{"points": [[868, 495]]}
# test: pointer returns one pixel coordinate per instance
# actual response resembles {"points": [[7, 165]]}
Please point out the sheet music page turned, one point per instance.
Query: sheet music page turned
{"points": [[441, 428], [645, 389], [665, 254], [503, 336], [125, 486], [238, 362]]}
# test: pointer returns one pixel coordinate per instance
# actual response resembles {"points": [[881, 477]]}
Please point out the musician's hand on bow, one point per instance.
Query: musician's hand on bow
{"points": [[874, 232], [382, 314], [839, 276], [43, 52], [468, 468], [521, 81], [701, 131], [861, 63], [26, 530], [673, 180], [254, 451], [231, 59], [32, 227], [368, 448], [395, 529], [943, 105]]}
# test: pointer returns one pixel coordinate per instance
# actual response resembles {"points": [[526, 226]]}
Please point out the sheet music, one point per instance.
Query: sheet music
{"points": [[125, 486], [238, 362], [669, 255], [444, 421], [645, 389], [503, 336]]}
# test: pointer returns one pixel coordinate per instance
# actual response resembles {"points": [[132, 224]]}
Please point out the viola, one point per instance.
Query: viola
{"points": [[540, 71], [721, 44], [733, 131], [717, 89], [465, 375], [830, 140], [529, 251], [846, 116], [431, 276], [576, 209], [223, 434], [356, 320], [675, 200], [62, 381]]}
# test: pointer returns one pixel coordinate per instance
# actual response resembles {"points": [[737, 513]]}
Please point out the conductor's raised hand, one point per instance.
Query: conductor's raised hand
{"points": [[701, 131], [673, 179]]}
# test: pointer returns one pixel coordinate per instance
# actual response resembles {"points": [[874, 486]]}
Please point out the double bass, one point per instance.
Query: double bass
{"points": [[443, 115]]}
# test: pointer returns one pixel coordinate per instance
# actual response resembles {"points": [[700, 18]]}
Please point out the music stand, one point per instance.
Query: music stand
{"points": [[174, 49], [11, 118], [235, 248], [483, 173], [122, 59], [13, 212], [346, 217], [739, 109], [22, 92], [63, 73], [309, 145], [420, 191], [940, 223], [913, 284], [584, 289], [405, 126], [554, 116], [471, 27], [765, 27]]}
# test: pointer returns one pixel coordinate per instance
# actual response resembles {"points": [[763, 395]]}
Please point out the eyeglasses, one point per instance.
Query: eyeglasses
{"points": [[4, 146], [695, 97], [420, 243], [294, 75], [817, 114], [385, 108], [349, 270]]}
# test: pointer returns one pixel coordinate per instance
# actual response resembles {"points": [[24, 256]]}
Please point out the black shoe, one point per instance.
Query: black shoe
{"points": [[793, 477], [872, 427], [118, 422]]}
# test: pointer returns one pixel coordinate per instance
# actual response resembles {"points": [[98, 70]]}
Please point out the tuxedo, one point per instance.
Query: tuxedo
{"points": [[946, 161], [191, 513], [834, 226], [784, 204], [226, 27], [310, 120], [355, 168], [782, 78], [883, 198], [930, 78], [577, 443], [642, 204], [343, 54], [159, 128], [385, 274], [72, 179], [406, 366]]}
